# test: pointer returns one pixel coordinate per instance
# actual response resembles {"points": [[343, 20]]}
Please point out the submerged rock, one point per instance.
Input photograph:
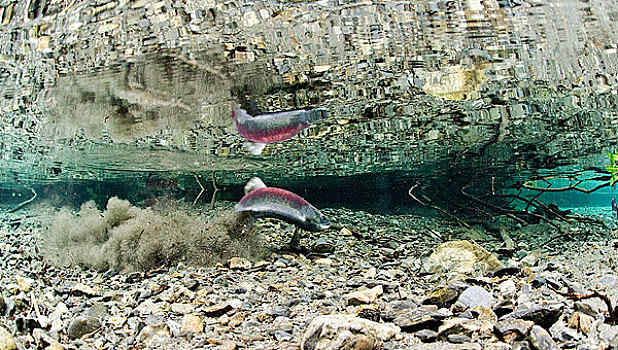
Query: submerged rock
{"points": [[7, 342], [462, 257], [192, 323], [476, 296], [154, 334], [82, 325], [367, 296], [543, 315], [513, 330], [541, 340], [338, 332]]}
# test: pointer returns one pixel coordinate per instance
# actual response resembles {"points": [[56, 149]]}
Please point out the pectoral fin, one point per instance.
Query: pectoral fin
{"points": [[255, 148]]}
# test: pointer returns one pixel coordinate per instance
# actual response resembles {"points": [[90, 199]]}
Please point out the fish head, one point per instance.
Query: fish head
{"points": [[314, 220], [315, 115]]}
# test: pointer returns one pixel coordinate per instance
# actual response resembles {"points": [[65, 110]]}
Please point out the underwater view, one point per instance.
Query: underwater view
{"points": [[309, 175]]}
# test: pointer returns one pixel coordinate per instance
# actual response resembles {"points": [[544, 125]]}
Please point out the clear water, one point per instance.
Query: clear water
{"points": [[134, 98]]}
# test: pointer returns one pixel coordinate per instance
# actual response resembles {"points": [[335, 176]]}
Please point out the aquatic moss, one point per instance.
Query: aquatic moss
{"points": [[129, 238]]}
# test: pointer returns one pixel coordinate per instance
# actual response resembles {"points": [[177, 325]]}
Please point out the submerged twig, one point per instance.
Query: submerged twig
{"points": [[26, 202], [459, 221], [613, 312], [214, 194], [574, 187], [201, 189]]}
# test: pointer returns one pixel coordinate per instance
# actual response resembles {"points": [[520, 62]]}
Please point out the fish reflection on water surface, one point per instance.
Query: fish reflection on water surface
{"points": [[273, 127]]}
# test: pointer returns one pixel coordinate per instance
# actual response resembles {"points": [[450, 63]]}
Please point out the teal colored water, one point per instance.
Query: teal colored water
{"points": [[458, 105]]}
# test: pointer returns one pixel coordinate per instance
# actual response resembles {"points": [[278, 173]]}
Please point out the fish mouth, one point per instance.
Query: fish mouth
{"points": [[323, 225]]}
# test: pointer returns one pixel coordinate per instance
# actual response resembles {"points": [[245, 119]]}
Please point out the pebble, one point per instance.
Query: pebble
{"points": [[367, 299], [541, 340], [7, 342], [155, 334], [426, 335], [192, 323], [476, 296], [237, 263], [182, 309], [82, 325], [323, 261], [217, 310], [464, 257], [367, 296], [338, 332], [543, 315], [345, 232]]}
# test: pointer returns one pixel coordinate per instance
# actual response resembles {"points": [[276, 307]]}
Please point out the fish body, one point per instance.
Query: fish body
{"points": [[281, 204], [275, 127]]}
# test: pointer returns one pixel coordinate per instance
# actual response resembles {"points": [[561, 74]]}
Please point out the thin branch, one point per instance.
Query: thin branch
{"points": [[214, 194], [507, 212], [574, 187], [201, 189], [26, 202], [436, 207], [613, 312]]}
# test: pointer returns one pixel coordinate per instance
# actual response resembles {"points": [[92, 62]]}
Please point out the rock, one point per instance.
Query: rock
{"points": [[446, 346], [426, 335], [581, 322], [394, 309], [513, 330], [117, 321], [223, 344], [7, 342], [323, 261], [443, 296], [607, 333], [237, 319], [459, 326], [283, 336], [584, 307], [476, 296], [82, 325], [507, 288], [531, 259], [506, 271], [322, 246], [192, 324], [42, 338], [543, 315], [82, 289], [182, 309], [541, 340], [218, 310], [369, 312], [55, 346], [561, 333], [418, 319], [155, 334], [97, 310], [367, 296], [334, 332], [458, 339], [149, 307], [461, 257], [24, 284], [239, 264], [345, 232]]}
